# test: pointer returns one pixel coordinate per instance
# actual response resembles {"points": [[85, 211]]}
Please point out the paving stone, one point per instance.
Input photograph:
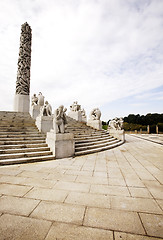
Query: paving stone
{"points": [[16, 205], [110, 190], [131, 182], [35, 182], [117, 182], [128, 236], [63, 177], [59, 212], [135, 204], [92, 180], [71, 186], [140, 192], [79, 173], [47, 194], [88, 199], [156, 191], [100, 174], [9, 171], [153, 224], [75, 232], [160, 203], [23, 228], [113, 220], [14, 190], [32, 174]]}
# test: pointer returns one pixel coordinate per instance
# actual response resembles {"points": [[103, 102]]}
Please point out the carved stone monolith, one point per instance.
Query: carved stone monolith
{"points": [[22, 100]]}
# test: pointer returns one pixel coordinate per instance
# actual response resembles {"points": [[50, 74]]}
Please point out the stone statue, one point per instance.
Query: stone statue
{"points": [[59, 120], [46, 110], [75, 107], [34, 100], [83, 113], [24, 61], [40, 99], [95, 114], [116, 123]]}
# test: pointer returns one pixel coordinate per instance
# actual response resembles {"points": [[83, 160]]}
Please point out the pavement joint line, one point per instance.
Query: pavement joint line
{"points": [[34, 207], [142, 223], [153, 141], [84, 215]]}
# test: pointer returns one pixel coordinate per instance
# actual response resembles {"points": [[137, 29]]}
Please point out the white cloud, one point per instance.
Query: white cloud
{"points": [[91, 51]]}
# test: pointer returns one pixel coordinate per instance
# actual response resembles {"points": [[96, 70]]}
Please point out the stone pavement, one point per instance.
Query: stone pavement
{"points": [[111, 195]]}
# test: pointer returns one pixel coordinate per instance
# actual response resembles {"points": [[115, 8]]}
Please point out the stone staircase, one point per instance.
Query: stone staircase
{"points": [[20, 140], [89, 140]]}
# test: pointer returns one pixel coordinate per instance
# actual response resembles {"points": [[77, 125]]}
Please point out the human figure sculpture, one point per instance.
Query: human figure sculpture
{"points": [[116, 123], [75, 107], [34, 100], [83, 113], [40, 99], [95, 114], [60, 120], [46, 109]]}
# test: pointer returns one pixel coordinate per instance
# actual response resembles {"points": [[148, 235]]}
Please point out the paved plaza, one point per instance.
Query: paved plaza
{"points": [[112, 195]]}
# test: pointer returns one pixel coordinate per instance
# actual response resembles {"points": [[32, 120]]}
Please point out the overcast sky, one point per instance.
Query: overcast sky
{"points": [[102, 53]]}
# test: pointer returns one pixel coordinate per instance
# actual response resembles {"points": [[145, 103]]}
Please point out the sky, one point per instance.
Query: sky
{"points": [[101, 53]]}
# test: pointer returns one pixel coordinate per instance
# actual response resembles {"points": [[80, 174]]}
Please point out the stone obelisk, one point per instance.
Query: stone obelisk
{"points": [[22, 98]]}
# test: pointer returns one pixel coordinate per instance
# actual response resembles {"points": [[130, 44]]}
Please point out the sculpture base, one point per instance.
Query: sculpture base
{"points": [[35, 111], [75, 115], [119, 134], [44, 123], [97, 124], [21, 103], [84, 119], [61, 144]]}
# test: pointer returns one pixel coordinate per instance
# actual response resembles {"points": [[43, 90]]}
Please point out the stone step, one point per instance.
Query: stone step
{"points": [[24, 150], [91, 135], [97, 145], [18, 146], [21, 138], [25, 155], [91, 138], [21, 142], [77, 144], [22, 135], [98, 149], [26, 160], [11, 129]]}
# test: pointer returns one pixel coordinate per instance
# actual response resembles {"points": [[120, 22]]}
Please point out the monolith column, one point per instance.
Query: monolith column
{"points": [[22, 99]]}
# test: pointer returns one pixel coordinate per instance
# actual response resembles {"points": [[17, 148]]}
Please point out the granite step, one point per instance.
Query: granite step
{"points": [[98, 149], [20, 138], [91, 138], [26, 160], [19, 146], [21, 142], [24, 155], [94, 146], [24, 150], [78, 144]]}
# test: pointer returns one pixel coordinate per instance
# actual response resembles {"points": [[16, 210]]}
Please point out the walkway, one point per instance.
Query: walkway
{"points": [[112, 195]]}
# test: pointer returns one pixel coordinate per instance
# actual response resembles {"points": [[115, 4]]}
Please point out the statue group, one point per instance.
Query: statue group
{"points": [[116, 123]]}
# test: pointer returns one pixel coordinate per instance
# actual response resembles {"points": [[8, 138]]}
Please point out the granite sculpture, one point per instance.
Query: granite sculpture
{"points": [[75, 111], [24, 61], [46, 110], [95, 114], [75, 106], [34, 100], [40, 99], [21, 100], [59, 121], [116, 123]]}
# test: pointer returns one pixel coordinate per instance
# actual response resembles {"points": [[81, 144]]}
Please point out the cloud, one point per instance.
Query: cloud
{"points": [[92, 51]]}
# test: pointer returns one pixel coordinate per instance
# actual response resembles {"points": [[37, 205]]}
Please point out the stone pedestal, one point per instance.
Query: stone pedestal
{"points": [[35, 111], [84, 119], [75, 115], [119, 134], [44, 123], [21, 103], [97, 124], [61, 144]]}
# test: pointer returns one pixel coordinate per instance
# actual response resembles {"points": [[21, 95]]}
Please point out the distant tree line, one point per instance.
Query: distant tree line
{"points": [[149, 119], [137, 122]]}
